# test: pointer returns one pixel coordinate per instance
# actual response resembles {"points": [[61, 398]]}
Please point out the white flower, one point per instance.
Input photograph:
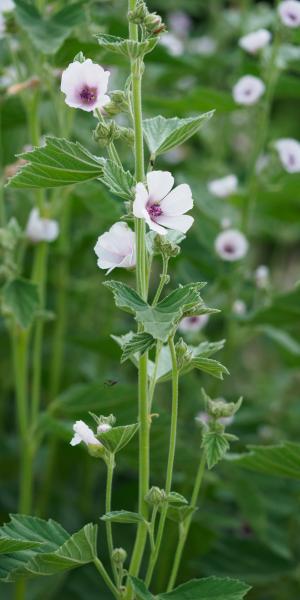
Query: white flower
{"points": [[116, 248], [223, 187], [7, 6], [194, 323], [180, 23], [204, 45], [231, 245], [161, 206], [83, 433], [202, 418], [172, 43], [39, 229], [85, 85], [248, 90], [262, 276], [239, 307], [289, 154], [289, 13], [255, 41], [103, 427]]}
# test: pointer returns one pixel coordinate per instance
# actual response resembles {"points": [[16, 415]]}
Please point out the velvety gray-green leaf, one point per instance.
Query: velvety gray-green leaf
{"points": [[162, 134], [138, 343], [119, 182]]}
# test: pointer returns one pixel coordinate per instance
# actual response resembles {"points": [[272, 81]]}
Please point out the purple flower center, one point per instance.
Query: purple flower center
{"points": [[154, 210], [229, 248], [88, 94], [292, 16], [291, 160], [193, 319]]}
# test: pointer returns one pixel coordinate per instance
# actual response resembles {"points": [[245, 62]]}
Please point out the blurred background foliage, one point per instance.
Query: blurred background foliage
{"points": [[248, 523]]}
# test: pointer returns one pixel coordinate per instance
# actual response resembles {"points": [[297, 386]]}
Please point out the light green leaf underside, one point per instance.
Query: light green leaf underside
{"points": [[123, 516], [211, 588], [118, 437], [163, 134], [282, 460], [127, 48], [21, 298], [57, 163]]}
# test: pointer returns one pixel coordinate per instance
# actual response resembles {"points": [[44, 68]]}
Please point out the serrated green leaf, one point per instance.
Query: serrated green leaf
{"points": [[282, 460], [215, 446], [210, 588], [161, 320], [47, 34], [117, 180], [21, 298], [123, 516], [8, 545], [118, 437], [175, 498], [127, 48], [57, 163], [162, 134], [210, 366], [80, 549], [138, 343]]}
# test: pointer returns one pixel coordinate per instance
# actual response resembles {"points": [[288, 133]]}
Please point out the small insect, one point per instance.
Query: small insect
{"points": [[110, 382]]}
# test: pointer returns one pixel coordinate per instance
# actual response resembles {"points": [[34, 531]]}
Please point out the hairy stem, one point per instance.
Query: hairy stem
{"points": [[104, 574], [170, 466], [185, 526], [110, 472]]}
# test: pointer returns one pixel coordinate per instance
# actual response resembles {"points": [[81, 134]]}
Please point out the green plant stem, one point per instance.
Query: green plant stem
{"points": [[154, 375], [163, 281], [104, 574], [185, 526], [110, 472], [142, 287], [39, 277], [170, 466]]}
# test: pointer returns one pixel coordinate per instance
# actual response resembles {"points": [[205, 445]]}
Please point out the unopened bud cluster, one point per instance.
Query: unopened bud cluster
{"points": [[165, 246], [106, 133], [183, 353], [219, 408], [151, 22], [118, 103], [156, 496], [119, 556]]}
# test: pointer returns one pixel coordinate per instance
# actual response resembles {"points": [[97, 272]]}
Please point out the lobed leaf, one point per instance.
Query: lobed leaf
{"points": [[215, 446], [117, 180], [210, 588], [118, 437], [128, 48], [57, 163], [138, 343], [162, 134]]}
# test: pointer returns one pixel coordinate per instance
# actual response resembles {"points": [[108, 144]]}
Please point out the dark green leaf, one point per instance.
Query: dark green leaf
{"points": [[58, 163], [175, 498], [210, 366], [123, 516], [282, 460], [215, 446], [138, 343], [211, 588], [163, 134], [117, 180], [8, 545], [21, 298]]}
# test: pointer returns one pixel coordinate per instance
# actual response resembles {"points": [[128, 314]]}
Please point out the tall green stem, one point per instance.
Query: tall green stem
{"points": [[109, 536], [170, 466], [185, 526], [39, 277], [99, 566]]}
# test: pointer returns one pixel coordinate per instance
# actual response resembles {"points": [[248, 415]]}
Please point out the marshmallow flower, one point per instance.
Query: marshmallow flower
{"points": [[255, 41], [85, 85], [239, 307], [262, 277], [162, 207], [223, 187], [289, 154], [248, 90], [231, 245], [116, 248], [289, 13], [172, 44], [39, 229], [193, 324], [83, 433]]}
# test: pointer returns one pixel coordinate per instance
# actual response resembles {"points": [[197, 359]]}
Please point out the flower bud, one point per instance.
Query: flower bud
{"points": [[119, 556], [183, 353], [105, 133], [154, 24], [139, 14], [219, 408], [156, 496], [118, 103], [165, 246]]}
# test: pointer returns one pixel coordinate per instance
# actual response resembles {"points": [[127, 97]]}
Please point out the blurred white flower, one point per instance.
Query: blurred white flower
{"points": [[231, 245], [176, 155], [180, 23], [255, 41], [6, 6], [248, 90], [225, 223], [289, 154], [116, 248], [202, 418], [262, 276], [85, 85], [193, 324], [223, 187], [83, 433], [204, 45], [40, 229], [103, 427], [289, 13], [172, 43], [239, 307], [162, 207]]}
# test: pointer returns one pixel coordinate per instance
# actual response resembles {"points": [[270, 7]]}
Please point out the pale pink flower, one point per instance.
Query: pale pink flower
{"points": [[289, 154], [248, 90], [255, 41], [289, 13], [231, 245], [172, 44], [40, 229], [180, 23], [239, 307], [85, 85], [162, 207], [193, 324], [116, 248], [83, 433], [204, 45], [223, 187], [262, 276]]}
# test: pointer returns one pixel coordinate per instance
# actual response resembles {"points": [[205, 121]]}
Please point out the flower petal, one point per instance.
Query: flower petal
{"points": [[159, 184], [178, 201], [140, 202], [179, 223], [156, 227]]}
